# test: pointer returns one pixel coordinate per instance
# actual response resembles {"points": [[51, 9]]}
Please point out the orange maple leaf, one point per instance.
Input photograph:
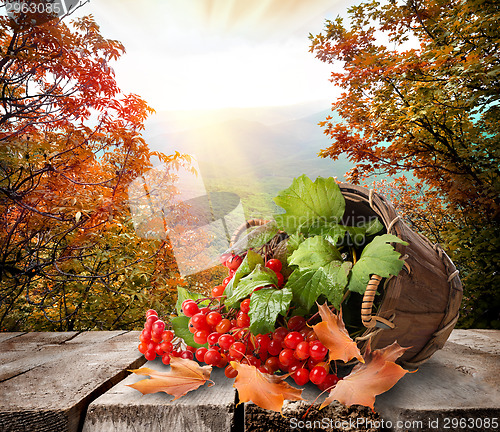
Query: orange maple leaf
{"points": [[378, 374], [184, 375], [265, 390], [333, 335]]}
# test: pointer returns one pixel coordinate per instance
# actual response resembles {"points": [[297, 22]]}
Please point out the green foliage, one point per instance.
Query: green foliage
{"points": [[314, 253], [180, 325], [322, 263], [251, 260], [427, 102], [260, 277], [265, 305], [378, 257], [319, 256], [309, 284], [307, 203], [184, 294]]}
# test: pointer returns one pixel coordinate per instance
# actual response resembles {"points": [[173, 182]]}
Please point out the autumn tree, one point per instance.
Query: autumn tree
{"points": [[70, 144], [421, 85]]}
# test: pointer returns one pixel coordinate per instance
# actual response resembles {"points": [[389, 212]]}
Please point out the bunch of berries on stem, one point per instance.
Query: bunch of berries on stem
{"points": [[291, 348]]}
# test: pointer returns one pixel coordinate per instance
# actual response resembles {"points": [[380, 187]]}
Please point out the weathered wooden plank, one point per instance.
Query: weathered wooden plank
{"points": [[19, 362], [51, 395], [456, 383], [478, 339], [33, 341], [44, 338], [124, 409], [93, 337], [461, 381], [9, 335], [43, 347]]}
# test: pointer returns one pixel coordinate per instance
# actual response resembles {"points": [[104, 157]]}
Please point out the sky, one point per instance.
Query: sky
{"points": [[209, 54]]}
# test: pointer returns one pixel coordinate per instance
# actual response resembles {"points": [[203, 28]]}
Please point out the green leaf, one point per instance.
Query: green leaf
{"points": [[184, 294], [265, 305], [313, 253], [378, 257], [335, 233], [293, 243], [307, 203], [251, 260], [307, 285], [260, 277], [180, 326], [332, 231], [359, 232]]}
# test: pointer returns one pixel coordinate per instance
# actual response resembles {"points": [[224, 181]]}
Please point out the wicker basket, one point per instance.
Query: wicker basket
{"points": [[423, 301], [419, 307]]}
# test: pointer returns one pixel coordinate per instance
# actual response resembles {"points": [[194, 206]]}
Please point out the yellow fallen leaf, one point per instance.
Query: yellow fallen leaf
{"points": [[378, 374], [265, 390], [333, 335], [184, 375]]}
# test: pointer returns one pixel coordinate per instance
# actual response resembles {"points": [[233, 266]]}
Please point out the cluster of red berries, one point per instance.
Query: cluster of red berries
{"points": [[234, 261], [156, 341], [294, 349]]}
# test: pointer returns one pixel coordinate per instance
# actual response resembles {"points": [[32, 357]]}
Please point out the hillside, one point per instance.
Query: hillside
{"points": [[251, 152]]}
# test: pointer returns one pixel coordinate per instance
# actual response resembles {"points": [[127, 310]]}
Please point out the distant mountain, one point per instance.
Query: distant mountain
{"points": [[175, 121], [254, 152], [240, 145]]}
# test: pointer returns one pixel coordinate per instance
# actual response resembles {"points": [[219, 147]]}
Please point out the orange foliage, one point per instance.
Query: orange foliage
{"points": [[265, 390], [70, 144], [184, 376], [411, 106], [333, 335], [376, 375]]}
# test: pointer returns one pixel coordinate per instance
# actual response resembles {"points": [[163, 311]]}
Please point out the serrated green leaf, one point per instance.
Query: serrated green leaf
{"points": [[265, 305], [260, 277], [307, 203], [184, 294], [307, 285], [313, 253], [180, 326], [359, 232], [331, 231], [335, 233], [293, 243], [378, 257], [251, 260]]}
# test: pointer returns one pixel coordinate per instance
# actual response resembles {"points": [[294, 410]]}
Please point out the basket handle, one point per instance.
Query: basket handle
{"points": [[244, 226], [369, 320]]}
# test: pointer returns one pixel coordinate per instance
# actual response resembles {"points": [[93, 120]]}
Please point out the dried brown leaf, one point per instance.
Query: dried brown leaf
{"points": [[184, 375], [333, 335], [265, 390], [378, 374]]}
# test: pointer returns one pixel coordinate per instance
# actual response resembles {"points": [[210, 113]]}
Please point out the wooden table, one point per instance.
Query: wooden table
{"points": [[76, 382], [47, 380]]}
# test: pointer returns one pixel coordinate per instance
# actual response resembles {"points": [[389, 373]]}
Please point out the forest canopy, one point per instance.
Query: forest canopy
{"points": [[70, 144], [420, 102]]}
